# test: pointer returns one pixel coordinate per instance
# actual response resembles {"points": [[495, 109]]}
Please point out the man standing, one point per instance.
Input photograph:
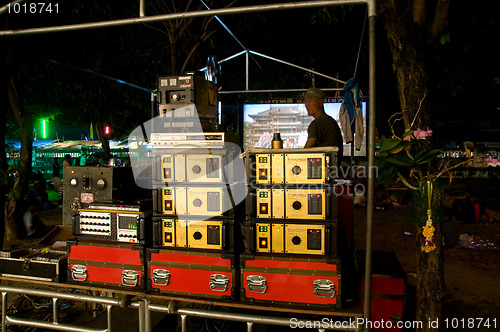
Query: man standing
{"points": [[323, 130]]}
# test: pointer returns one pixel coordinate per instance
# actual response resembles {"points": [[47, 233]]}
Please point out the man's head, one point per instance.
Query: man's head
{"points": [[313, 99]]}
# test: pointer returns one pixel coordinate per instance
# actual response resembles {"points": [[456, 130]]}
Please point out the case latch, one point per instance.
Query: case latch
{"points": [[324, 288], [219, 282], [161, 277], [256, 284], [26, 264], [79, 273], [130, 278]]}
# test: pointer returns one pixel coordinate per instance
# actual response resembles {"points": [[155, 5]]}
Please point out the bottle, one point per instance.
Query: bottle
{"points": [[277, 143]]}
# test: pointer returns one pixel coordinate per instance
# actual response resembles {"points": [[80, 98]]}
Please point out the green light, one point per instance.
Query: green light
{"points": [[43, 129]]}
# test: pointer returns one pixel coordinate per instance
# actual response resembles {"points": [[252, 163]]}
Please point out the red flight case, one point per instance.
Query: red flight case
{"points": [[299, 281], [109, 264], [388, 287], [190, 273]]}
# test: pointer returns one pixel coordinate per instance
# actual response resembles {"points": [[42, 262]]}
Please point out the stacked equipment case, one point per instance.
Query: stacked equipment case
{"points": [[193, 235], [193, 250], [109, 248], [290, 231]]}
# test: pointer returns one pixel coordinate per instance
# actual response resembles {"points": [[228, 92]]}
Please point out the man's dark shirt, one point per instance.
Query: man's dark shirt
{"points": [[326, 131]]}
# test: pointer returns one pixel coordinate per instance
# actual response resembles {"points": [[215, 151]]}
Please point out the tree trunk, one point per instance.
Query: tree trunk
{"points": [[408, 45], [16, 197], [430, 265]]}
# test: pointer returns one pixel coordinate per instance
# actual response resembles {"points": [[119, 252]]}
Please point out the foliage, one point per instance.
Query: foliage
{"points": [[406, 158]]}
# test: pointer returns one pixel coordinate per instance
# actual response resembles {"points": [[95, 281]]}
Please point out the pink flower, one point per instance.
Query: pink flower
{"points": [[493, 162], [422, 134]]}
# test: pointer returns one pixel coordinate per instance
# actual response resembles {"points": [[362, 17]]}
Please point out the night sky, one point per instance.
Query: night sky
{"points": [[462, 73]]}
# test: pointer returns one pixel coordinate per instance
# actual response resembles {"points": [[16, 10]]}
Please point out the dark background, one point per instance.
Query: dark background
{"points": [[59, 71]]}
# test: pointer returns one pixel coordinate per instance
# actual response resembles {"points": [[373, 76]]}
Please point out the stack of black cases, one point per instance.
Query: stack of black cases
{"points": [[193, 250], [290, 231]]}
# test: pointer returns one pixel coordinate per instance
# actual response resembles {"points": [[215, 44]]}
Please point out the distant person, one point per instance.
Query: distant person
{"points": [[450, 229], [56, 168], [383, 200], [67, 160], [359, 198], [36, 193], [33, 226], [476, 208]]}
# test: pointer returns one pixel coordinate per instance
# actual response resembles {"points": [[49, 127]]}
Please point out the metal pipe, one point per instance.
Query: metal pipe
{"points": [[299, 67], [274, 90], [246, 69], [4, 309], [247, 318], [142, 8], [231, 57], [226, 59], [148, 324], [249, 326], [55, 310], [47, 325], [184, 15], [183, 323], [75, 297], [225, 27], [371, 159], [109, 316]]}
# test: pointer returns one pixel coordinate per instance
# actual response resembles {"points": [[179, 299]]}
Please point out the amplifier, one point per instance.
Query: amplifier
{"points": [[281, 237], [213, 234], [189, 89], [192, 201], [207, 201], [182, 89], [187, 140], [204, 168], [124, 223], [83, 185], [279, 203], [194, 168], [292, 166]]}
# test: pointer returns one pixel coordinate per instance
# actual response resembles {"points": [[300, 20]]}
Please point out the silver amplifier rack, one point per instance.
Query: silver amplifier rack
{"points": [[166, 140]]}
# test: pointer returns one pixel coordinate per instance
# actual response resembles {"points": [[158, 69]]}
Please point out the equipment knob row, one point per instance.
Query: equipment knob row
{"points": [[95, 223], [95, 230]]}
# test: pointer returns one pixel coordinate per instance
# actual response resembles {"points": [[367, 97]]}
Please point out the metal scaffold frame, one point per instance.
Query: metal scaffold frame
{"points": [[372, 12], [144, 307]]}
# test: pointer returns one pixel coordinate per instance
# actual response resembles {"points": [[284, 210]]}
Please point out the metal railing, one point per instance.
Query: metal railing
{"points": [[145, 307], [9, 320]]}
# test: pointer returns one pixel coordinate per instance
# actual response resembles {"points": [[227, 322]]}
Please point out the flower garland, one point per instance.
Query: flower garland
{"points": [[428, 230]]}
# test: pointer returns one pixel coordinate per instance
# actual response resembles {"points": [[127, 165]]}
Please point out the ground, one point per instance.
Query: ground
{"points": [[471, 284]]}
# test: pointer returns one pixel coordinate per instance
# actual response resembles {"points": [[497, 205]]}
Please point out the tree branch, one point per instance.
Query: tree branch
{"points": [[418, 12], [440, 19], [406, 183]]}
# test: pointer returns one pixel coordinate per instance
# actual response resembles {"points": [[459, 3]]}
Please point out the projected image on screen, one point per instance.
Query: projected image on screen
{"points": [[261, 121]]}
